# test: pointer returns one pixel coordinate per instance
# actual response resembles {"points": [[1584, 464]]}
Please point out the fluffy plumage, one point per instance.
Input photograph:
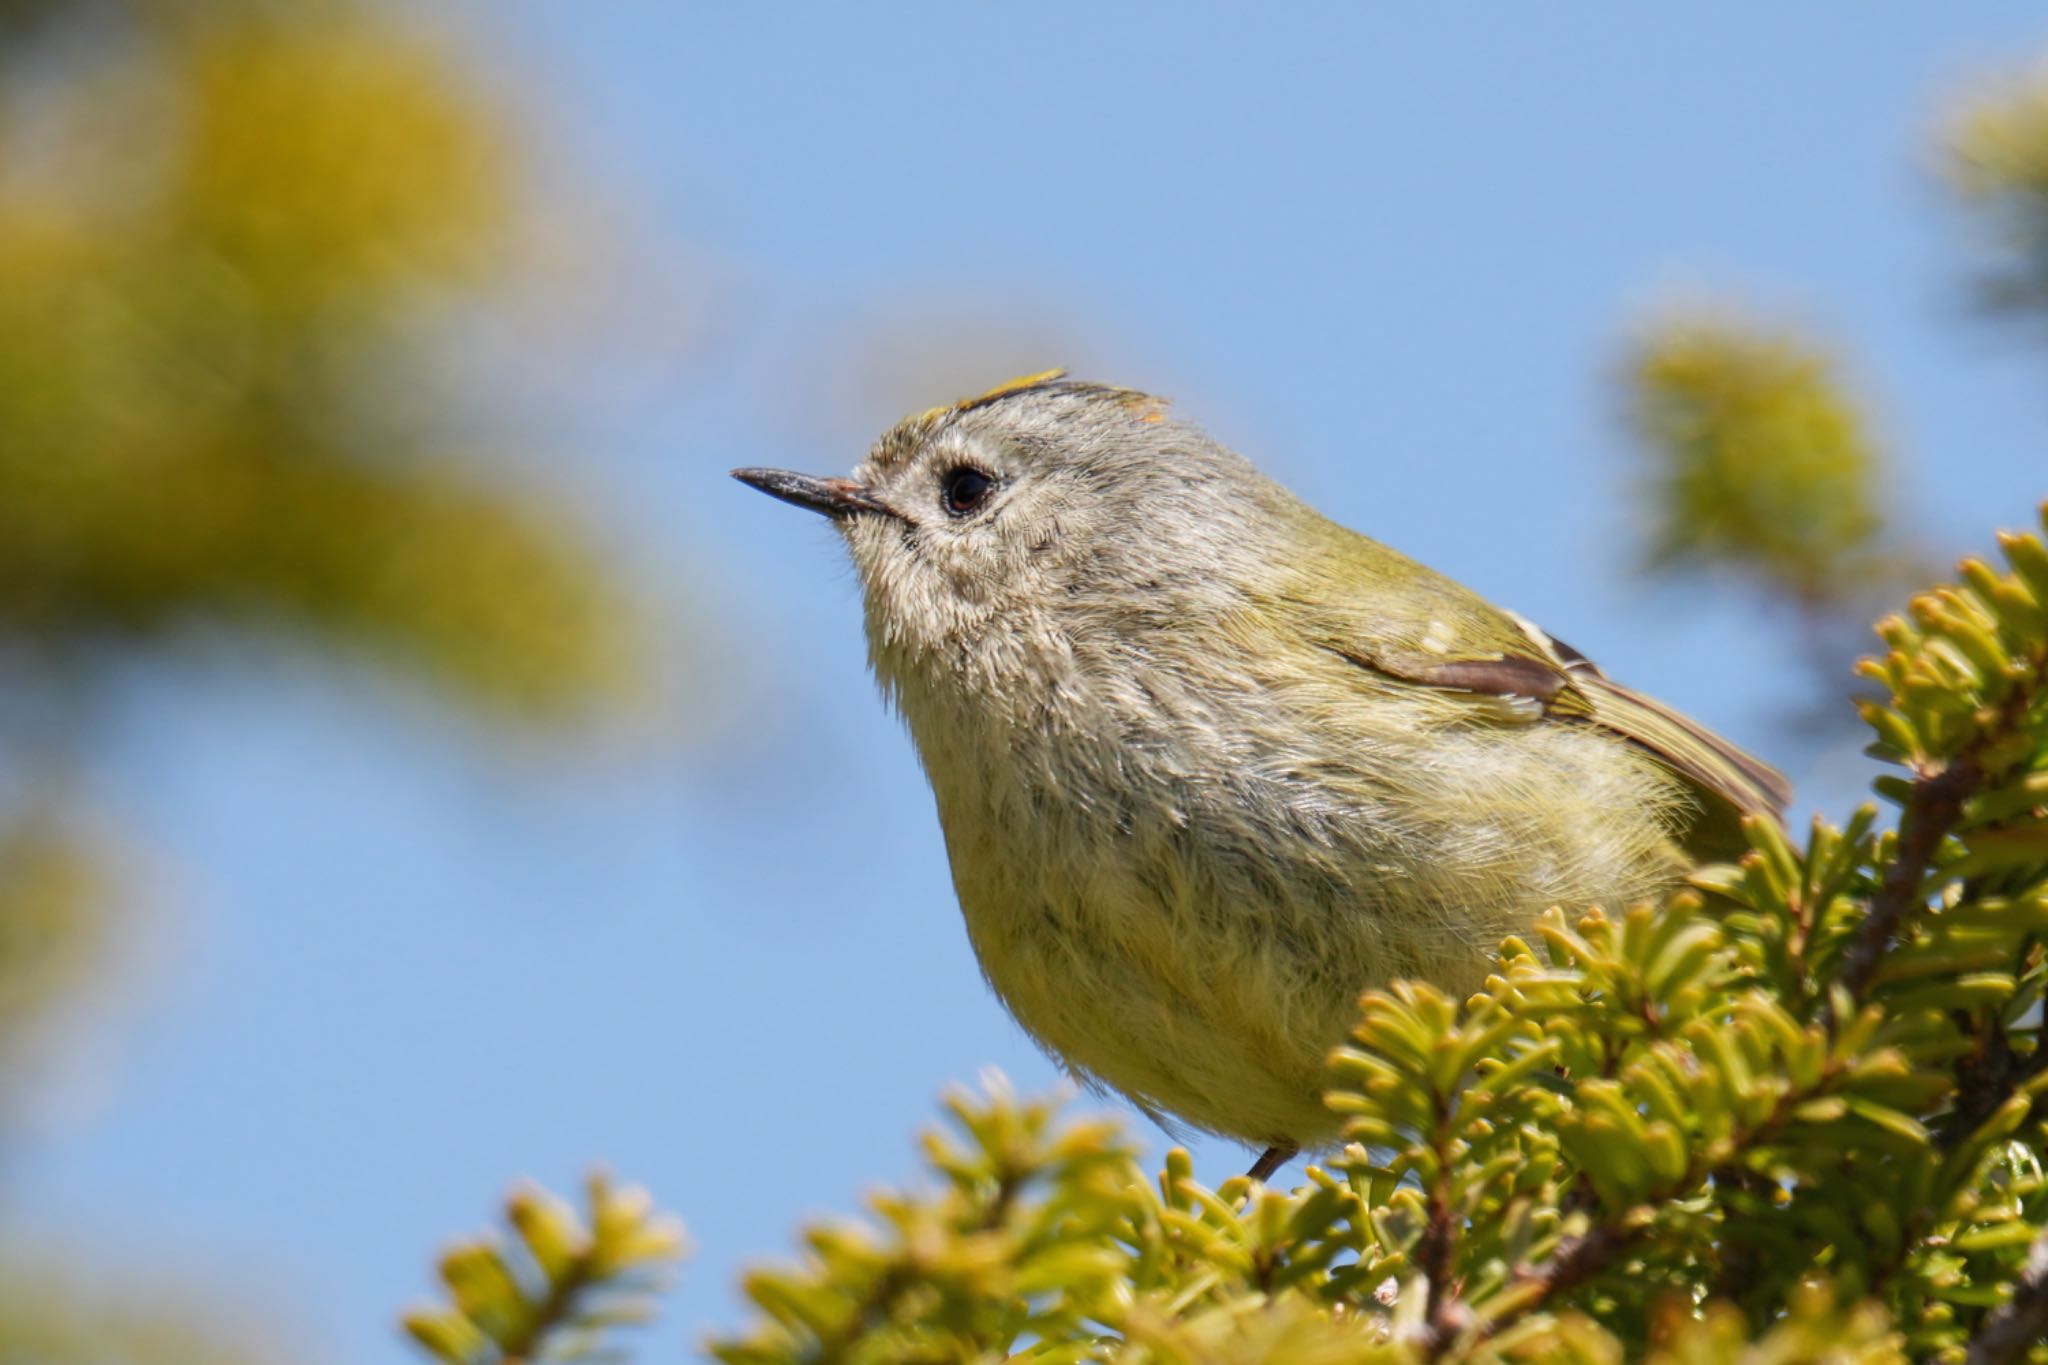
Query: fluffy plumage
{"points": [[1209, 765]]}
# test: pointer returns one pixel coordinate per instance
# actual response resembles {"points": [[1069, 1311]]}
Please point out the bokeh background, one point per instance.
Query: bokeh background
{"points": [[421, 767]]}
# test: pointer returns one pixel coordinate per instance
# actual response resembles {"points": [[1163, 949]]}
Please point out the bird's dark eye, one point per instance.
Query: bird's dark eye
{"points": [[964, 488]]}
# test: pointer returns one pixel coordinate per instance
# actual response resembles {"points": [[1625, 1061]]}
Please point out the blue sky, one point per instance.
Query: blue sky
{"points": [[1391, 253]]}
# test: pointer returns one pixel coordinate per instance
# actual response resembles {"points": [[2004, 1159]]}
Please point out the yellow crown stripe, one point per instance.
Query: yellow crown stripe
{"points": [[1002, 390], [1008, 387]]}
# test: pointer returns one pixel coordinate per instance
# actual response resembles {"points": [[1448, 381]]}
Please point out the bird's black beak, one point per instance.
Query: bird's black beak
{"points": [[834, 497]]}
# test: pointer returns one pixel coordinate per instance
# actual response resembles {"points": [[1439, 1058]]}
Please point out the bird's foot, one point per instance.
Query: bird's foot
{"points": [[1272, 1160]]}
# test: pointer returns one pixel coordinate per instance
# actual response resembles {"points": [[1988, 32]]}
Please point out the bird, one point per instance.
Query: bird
{"points": [[1209, 765]]}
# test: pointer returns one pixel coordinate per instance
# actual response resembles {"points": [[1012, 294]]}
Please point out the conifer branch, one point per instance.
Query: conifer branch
{"points": [[1436, 1254], [1934, 810], [1581, 1258], [553, 1288], [1967, 682]]}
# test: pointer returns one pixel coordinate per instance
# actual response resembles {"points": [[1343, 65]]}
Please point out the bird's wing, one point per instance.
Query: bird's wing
{"points": [[1694, 752], [1442, 635]]}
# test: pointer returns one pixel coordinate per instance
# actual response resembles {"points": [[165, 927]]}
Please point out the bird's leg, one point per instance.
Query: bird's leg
{"points": [[1276, 1156]]}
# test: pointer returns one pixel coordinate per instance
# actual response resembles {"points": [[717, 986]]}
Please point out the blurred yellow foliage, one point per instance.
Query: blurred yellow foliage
{"points": [[211, 368], [51, 921], [1758, 459], [230, 235], [333, 161], [78, 1318], [552, 1288], [2000, 142], [1995, 155]]}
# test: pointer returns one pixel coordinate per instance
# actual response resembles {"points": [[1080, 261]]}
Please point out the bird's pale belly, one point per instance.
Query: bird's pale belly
{"points": [[1190, 1020], [1204, 960], [1203, 983]]}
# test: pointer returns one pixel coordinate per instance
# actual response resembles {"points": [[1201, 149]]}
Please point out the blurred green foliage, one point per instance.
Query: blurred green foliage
{"points": [[232, 237], [53, 916], [1995, 157], [216, 281], [83, 1315], [1756, 460]]}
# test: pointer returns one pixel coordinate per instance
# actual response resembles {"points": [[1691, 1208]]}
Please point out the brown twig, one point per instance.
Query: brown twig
{"points": [[1435, 1254], [1575, 1261], [1935, 807], [557, 1309], [1939, 794], [1985, 1076], [2015, 1326], [1580, 1258]]}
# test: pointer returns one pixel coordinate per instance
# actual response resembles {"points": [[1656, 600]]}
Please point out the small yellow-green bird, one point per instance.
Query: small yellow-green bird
{"points": [[1210, 765]]}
